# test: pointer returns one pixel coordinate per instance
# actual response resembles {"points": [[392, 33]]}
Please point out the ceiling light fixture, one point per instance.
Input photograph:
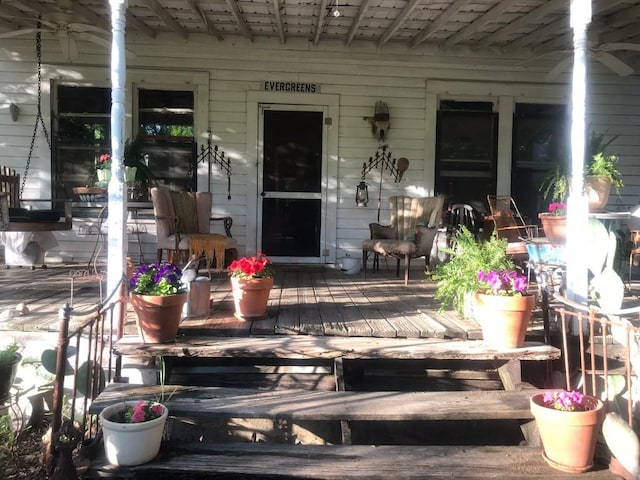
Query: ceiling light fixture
{"points": [[336, 11]]}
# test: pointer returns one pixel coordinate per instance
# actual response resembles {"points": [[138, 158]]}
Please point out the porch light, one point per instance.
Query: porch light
{"points": [[362, 194]]}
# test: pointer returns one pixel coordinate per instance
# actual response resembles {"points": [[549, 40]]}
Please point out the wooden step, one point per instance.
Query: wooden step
{"points": [[326, 347], [301, 405], [326, 462]]}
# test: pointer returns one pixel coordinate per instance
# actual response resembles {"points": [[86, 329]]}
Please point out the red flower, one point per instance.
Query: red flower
{"points": [[252, 267]]}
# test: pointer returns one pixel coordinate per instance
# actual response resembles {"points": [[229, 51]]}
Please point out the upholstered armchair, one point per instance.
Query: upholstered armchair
{"points": [[183, 219], [413, 228]]}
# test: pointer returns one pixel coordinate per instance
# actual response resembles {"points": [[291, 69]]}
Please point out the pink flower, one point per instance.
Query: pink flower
{"points": [[504, 282]]}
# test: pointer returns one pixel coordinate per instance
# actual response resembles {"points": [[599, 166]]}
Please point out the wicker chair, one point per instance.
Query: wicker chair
{"points": [[414, 225]]}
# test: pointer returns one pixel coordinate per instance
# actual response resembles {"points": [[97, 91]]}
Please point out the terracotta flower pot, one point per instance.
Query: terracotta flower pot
{"points": [[158, 316], [555, 228], [597, 189], [568, 438], [504, 319], [250, 297]]}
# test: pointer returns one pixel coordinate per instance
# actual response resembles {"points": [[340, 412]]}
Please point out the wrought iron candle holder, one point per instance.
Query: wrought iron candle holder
{"points": [[381, 160], [212, 156]]}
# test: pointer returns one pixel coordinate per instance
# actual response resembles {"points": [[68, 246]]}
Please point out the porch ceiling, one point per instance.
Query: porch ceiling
{"points": [[536, 26]]}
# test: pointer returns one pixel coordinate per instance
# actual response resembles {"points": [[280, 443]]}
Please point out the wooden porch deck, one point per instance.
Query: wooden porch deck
{"points": [[305, 300]]}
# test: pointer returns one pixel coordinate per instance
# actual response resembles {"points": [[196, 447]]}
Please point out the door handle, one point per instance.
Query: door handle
{"points": [[262, 194]]}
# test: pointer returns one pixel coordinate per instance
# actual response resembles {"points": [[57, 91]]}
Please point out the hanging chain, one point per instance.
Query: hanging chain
{"points": [[39, 119]]}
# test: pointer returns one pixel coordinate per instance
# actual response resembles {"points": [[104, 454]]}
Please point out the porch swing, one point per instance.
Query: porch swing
{"points": [[14, 217]]}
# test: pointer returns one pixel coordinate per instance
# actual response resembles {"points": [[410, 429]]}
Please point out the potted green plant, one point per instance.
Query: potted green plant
{"points": [[251, 283], [157, 295], [503, 307], [569, 424], [457, 279], [9, 361], [133, 431], [601, 171]]}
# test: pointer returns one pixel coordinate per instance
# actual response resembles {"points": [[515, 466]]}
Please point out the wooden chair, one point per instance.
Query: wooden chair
{"points": [[510, 224], [185, 217], [414, 224]]}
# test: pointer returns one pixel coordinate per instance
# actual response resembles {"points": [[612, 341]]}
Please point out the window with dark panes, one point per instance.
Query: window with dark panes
{"points": [[466, 151], [540, 146], [166, 135], [81, 131]]}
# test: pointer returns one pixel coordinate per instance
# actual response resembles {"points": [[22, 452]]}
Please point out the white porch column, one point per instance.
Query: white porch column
{"points": [[577, 206], [117, 245]]}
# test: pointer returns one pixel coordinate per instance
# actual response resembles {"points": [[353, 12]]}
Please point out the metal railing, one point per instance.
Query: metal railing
{"points": [[589, 353], [94, 332]]}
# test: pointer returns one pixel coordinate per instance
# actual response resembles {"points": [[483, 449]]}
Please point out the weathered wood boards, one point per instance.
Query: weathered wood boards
{"points": [[326, 462], [313, 346], [323, 405]]}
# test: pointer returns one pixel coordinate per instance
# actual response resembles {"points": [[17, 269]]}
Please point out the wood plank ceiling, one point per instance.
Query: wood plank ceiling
{"points": [[536, 26]]}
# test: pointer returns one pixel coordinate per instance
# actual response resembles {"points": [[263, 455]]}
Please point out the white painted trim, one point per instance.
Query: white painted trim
{"points": [[332, 102], [431, 120], [506, 106]]}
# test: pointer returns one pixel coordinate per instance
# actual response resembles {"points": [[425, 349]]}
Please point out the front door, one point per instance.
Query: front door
{"points": [[292, 183]]}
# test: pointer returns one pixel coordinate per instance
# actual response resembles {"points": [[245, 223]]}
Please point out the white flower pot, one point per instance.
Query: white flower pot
{"points": [[129, 444]]}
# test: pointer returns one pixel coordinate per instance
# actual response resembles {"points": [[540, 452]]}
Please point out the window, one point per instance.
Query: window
{"points": [[81, 131], [166, 134], [540, 145], [466, 151]]}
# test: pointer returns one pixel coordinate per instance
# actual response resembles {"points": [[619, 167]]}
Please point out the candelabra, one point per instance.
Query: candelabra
{"points": [[382, 160], [212, 156]]}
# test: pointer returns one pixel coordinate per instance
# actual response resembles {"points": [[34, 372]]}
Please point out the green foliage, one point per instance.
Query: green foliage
{"points": [[555, 186], [605, 166], [9, 353], [468, 257], [7, 437]]}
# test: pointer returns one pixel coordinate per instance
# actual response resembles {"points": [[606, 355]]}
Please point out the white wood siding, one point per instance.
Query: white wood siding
{"points": [[410, 81]]}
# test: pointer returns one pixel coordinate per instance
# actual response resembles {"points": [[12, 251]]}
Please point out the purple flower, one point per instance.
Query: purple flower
{"points": [[565, 401], [503, 282]]}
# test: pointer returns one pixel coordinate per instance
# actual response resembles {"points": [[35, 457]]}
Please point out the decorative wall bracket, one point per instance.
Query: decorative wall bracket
{"points": [[213, 156], [383, 161]]}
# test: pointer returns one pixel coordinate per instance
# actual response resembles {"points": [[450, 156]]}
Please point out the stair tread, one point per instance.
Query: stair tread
{"points": [[196, 401]]}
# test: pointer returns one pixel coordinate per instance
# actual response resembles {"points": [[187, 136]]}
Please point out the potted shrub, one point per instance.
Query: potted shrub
{"points": [[600, 174], [569, 425], [251, 282], [503, 307], [458, 278], [158, 296], [9, 361], [133, 431]]}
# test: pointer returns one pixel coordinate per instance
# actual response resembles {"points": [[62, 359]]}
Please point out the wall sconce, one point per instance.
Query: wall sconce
{"points": [[380, 122], [362, 194], [14, 111]]}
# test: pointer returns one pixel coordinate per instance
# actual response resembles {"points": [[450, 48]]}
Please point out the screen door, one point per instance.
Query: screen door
{"points": [[291, 183]]}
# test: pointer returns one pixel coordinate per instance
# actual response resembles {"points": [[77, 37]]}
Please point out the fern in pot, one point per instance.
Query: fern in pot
{"points": [[457, 279]]}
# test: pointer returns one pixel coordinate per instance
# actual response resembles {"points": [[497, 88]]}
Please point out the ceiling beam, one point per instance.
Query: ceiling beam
{"points": [[36, 6], [14, 18], [364, 5], [276, 9], [237, 15], [397, 23], [211, 30], [320, 23], [91, 16], [168, 20], [139, 25], [489, 16], [621, 34], [527, 19], [560, 28], [439, 22]]}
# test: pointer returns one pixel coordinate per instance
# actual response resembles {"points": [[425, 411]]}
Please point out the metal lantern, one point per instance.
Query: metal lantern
{"points": [[362, 194]]}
